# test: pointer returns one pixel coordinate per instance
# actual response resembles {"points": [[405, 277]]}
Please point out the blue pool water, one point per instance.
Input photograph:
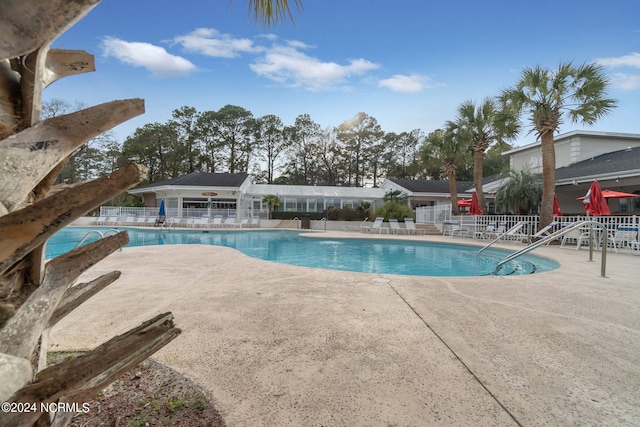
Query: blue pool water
{"points": [[360, 255]]}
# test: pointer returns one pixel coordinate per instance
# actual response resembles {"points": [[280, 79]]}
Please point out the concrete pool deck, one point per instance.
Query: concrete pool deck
{"points": [[280, 345]]}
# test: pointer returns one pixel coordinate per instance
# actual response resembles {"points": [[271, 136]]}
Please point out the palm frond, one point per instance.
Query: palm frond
{"points": [[270, 12]]}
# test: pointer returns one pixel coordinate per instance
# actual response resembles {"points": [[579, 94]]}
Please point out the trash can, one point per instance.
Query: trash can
{"points": [[305, 222]]}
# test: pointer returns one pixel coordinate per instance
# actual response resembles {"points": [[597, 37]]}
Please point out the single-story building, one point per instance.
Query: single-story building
{"points": [[581, 157]]}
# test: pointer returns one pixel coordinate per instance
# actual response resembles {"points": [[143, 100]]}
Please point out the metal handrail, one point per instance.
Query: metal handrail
{"points": [[286, 227], [322, 220], [502, 235], [111, 231], [561, 232]]}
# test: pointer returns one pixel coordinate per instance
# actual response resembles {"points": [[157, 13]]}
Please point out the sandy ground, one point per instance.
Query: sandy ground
{"points": [[279, 345]]}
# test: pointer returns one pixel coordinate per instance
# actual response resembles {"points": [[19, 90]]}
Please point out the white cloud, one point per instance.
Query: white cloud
{"points": [[154, 58], [623, 81], [413, 83], [631, 60], [210, 42], [288, 65], [626, 81]]}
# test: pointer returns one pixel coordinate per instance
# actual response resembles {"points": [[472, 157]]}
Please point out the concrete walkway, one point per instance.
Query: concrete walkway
{"points": [[279, 345]]}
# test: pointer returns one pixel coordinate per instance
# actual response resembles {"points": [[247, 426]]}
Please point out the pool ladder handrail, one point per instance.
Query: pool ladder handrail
{"points": [[111, 231], [295, 218], [562, 232], [323, 220]]}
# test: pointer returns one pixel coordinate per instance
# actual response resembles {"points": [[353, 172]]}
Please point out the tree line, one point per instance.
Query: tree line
{"points": [[355, 153], [358, 151]]}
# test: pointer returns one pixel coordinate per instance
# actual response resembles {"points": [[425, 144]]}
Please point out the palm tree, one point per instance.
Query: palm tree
{"points": [[521, 193], [475, 123], [446, 148], [272, 201], [545, 96], [270, 12]]}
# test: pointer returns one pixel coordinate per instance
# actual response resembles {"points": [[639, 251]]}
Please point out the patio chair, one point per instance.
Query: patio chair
{"points": [[490, 230], [255, 222], [377, 226], [448, 227], [410, 227], [101, 220], [243, 223], [229, 222], [151, 221], [460, 231], [141, 220], [130, 220], [191, 222], [217, 221], [515, 234], [395, 226], [578, 235], [623, 237]]}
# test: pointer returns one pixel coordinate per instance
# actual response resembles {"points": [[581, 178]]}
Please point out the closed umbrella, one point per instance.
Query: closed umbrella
{"points": [[162, 214], [475, 208], [556, 206], [594, 203]]}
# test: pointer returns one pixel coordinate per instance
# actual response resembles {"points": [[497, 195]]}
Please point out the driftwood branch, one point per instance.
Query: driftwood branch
{"points": [[80, 378], [28, 25], [62, 63], [24, 230], [78, 294], [19, 336], [28, 157]]}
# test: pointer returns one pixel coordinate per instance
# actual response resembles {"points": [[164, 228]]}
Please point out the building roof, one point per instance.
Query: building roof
{"points": [[203, 179], [430, 186], [315, 191], [586, 133], [620, 163]]}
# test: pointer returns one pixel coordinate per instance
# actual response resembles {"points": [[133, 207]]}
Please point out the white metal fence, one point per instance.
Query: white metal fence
{"points": [[437, 215]]}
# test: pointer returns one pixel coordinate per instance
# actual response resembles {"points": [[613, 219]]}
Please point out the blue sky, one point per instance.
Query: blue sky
{"points": [[408, 63]]}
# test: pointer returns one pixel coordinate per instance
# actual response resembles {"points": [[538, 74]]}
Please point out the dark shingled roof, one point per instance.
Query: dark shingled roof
{"points": [[617, 161], [430, 186], [204, 179]]}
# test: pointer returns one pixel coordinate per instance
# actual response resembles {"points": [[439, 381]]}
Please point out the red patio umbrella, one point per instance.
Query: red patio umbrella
{"points": [[611, 194], [594, 202], [475, 208], [556, 206], [464, 202]]}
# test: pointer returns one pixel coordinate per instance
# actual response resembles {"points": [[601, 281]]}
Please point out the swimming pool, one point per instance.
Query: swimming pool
{"points": [[360, 255]]}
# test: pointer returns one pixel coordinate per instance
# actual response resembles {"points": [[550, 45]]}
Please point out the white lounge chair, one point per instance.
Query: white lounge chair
{"points": [[546, 231], [101, 220], [229, 222], [255, 222], [191, 222], [141, 220], [577, 235], [515, 234], [490, 230], [243, 223], [217, 221], [151, 221], [376, 226], [623, 237], [460, 231], [394, 226], [410, 227]]}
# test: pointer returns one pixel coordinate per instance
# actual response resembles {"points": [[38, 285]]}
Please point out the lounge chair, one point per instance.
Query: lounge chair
{"points": [[141, 220], [151, 221], [394, 226], [229, 222], [101, 220], [460, 231], [377, 226], [490, 230], [217, 221], [623, 237], [515, 234], [410, 227], [243, 223], [130, 220], [191, 222], [577, 235], [545, 231], [255, 222]]}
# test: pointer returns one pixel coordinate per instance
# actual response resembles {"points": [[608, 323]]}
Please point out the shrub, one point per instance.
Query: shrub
{"points": [[393, 210]]}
